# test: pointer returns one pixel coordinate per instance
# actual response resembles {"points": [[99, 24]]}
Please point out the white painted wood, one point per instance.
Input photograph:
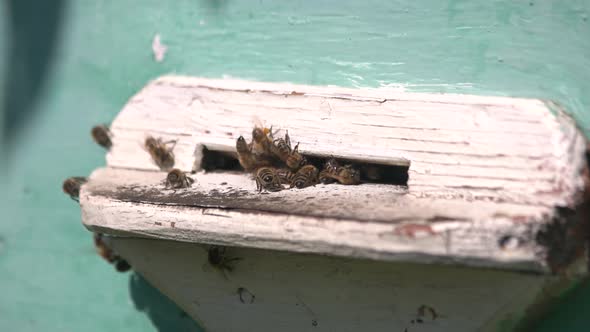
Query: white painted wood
{"points": [[371, 221], [488, 175], [520, 150], [295, 292], [484, 171]]}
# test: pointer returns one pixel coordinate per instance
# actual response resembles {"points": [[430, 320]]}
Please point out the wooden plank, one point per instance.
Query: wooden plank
{"points": [[372, 221], [520, 148], [488, 176], [294, 292]]}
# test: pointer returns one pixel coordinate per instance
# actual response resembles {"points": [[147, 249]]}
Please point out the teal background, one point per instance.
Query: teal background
{"points": [[57, 82]]}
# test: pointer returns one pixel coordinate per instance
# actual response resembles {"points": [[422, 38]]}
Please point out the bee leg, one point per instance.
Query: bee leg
{"points": [[288, 139], [173, 142], [240, 291], [77, 199]]}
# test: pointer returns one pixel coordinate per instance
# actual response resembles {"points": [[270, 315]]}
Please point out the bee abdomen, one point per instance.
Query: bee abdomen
{"points": [[305, 177], [285, 176], [267, 178]]}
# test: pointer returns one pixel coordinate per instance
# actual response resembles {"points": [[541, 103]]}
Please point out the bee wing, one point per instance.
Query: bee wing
{"points": [[257, 122]]}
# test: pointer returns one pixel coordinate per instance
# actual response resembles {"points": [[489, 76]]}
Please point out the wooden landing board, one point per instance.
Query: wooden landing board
{"points": [[370, 220], [487, 175]]}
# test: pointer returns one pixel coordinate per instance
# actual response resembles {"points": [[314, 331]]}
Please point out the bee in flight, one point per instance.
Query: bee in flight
{"points": [[346, 174], [306, 176], [160, 152], [71, 186], [101, 134], [177, 179], [267, 179]]}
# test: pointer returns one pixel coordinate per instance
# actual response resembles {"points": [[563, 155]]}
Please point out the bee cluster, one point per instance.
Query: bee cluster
{"points": [[275, 164]]}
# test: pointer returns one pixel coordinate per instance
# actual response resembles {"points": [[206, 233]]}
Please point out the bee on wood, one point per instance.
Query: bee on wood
{"points": [[245, 156], [295, 160], [330, 167], [109, 255], [281, 148], [101, 134], [285, 175], [346, 174], [267, 179], [217, 258], [71, 186], [247, 159], [122, 265], [177, 179], [306, 176], [160, 152], [261, 142]]}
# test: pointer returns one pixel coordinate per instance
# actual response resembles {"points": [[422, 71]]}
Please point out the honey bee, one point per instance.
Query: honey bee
{"points": [[295, 160], [285, 175], [101, 134], [102, 249], [177, 179], [267, 179], [247, 159], [109, 255], [161, 153], [217, 258], [346, 174], [71, 186], [122, 266], [281, 148], [306, 176], [261, 141], [330, 167]]}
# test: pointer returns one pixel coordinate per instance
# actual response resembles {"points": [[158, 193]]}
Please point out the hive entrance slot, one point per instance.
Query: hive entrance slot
{"points": [[214, 160], [370, 172]]}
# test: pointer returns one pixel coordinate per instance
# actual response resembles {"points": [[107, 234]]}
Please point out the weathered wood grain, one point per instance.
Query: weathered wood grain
{"points": [[371, 221], [489, 178], [519, 150]]}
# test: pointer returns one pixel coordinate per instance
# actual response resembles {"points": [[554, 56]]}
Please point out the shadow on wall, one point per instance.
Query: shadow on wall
{"points": [[164, 314], [34, 34]]}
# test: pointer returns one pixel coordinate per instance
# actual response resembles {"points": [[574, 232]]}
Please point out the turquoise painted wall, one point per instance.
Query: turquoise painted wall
{"points": [[50, 278]]}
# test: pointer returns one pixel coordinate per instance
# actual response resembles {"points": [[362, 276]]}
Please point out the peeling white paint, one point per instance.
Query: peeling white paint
{"points": [[158, 48]]}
